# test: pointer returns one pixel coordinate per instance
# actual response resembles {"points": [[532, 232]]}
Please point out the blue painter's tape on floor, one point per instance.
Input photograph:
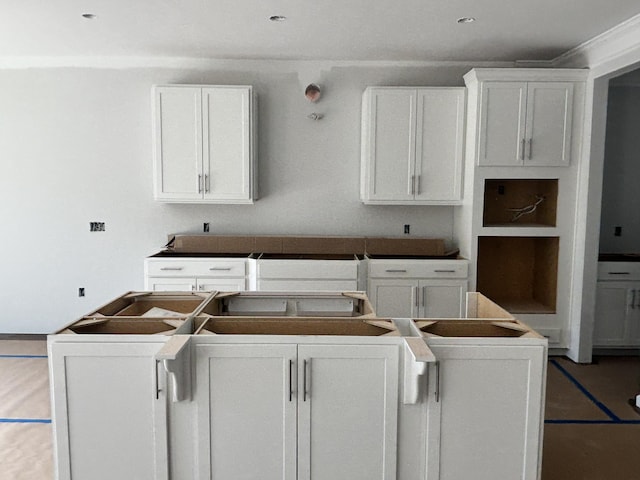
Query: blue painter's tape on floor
{"points": [[592, 422], [597, 403], [23, 356], [25, 420]]}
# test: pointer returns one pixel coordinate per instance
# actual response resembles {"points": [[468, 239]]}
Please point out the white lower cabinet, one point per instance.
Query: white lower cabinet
{"points": [[486, 419], [109, 411], [181, 274], [316, 412], [617, 316], [417, 298]]}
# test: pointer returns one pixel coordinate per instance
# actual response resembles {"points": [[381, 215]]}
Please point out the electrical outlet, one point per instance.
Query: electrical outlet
{"points": [[617, 231], [205, 228], [81, 292], [96, 227], [500, 189], [407, 229]]}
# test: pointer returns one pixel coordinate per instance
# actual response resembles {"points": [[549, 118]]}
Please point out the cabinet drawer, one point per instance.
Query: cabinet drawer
{"points": [[308, 269], [196, 268], [418, 268], [618, 271]]}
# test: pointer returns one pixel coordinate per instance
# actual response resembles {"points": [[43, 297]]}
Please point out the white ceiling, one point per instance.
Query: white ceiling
{"points": [[354, 30]]}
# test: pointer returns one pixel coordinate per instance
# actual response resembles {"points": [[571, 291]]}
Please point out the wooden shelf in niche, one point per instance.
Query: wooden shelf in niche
{"points": [[520, 202], [519, 273]]}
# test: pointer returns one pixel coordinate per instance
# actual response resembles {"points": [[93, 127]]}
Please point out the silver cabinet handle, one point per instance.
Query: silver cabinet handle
{"points": [[417, 295], [157, 383], [206, 183], [418, 189], [522, 149], [396, 270], [304, 381], [424, 299], [220, 269], [290, 380], [199, 183], [445, 271], [437, 392], [619, 273], [173, 269], [413, 184], [633, 299], [529, 145], [638, 298]]}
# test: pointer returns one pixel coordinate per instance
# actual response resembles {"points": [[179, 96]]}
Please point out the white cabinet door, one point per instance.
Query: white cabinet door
{"points": [[222, 284], [612, 300], [442, 299], [166, 284], [348, 409], [525, 123], [178, 143], [391, 144], [394, 298], [204, 144], [412, 145], [109, 411], [502, 123], [246, 402], [549, 123], [489, 406], [227, 143], [439, 144]]}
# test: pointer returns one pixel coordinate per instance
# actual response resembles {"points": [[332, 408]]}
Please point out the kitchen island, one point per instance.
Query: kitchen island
{"points": [[294, 386]]}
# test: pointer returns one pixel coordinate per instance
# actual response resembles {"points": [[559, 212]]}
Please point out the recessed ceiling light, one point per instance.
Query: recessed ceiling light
{"points": [[277, 18], [89, 16], [466, 20]]}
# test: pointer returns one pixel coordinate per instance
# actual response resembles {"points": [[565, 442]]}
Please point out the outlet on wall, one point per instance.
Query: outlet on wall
{"points": [[81, 292], [205, 227], [407, 229]]}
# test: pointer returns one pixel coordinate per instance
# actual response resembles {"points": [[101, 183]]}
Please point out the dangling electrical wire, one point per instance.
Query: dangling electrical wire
{"points": [[529, 209]]}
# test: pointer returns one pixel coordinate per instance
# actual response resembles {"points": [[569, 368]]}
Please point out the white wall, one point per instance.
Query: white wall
{"points": [[620, 192], [75, 147]]}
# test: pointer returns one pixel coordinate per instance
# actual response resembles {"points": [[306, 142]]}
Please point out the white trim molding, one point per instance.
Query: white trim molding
{"points": [[621, 40]]}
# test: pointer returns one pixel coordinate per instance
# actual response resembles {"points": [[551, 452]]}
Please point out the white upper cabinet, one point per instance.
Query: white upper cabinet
{"points": [[204, 144], [525, 123], [412, 145]]}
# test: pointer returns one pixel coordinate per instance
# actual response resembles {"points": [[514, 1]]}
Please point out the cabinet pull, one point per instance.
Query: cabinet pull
{"points": [[633, 299], [638, 298], [417, 295], [220, 269], [156, 381], [530, 148], [619, 273], [206, 183], [418, 189], [413, 184], [424, 300], [199, 183], [304, 381], [445, 271], [290, 380], [396, 270], [437, 392], [176, 269], [522, 149]]}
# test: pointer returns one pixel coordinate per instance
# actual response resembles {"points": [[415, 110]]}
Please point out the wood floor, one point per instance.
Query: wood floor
{"points": [[590, 432]]}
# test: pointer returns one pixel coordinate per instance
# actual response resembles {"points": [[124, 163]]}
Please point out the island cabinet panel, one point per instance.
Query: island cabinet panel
{"points": [[109, 411], [488, 413], [246, 406], [316, 412]]}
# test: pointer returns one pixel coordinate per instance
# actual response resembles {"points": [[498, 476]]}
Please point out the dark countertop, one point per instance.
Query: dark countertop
{"points": [[619, 257]]}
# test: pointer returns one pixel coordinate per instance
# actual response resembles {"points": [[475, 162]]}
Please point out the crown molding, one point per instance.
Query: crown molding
{"points": [[623, 39], [123, 62]]}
